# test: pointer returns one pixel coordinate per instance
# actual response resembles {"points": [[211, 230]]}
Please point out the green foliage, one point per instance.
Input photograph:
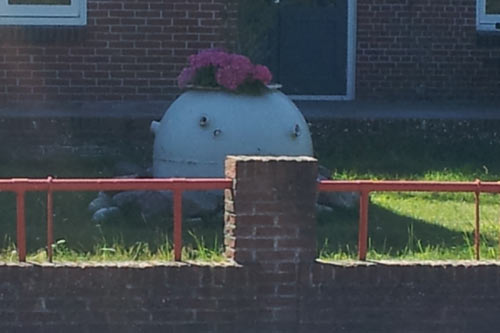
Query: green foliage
{"points": [[255, 20], [205, 77], [201, 251], [118, 251]]}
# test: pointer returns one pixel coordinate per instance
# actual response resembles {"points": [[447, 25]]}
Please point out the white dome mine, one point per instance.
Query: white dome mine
{"points": [[202, 127]]}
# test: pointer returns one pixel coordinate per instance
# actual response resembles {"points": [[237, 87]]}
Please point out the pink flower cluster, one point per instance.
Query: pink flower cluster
{"points": [[231, 70]]}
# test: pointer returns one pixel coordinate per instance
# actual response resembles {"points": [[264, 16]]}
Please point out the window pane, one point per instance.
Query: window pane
{"points": [[492, 6], [40, 2]]}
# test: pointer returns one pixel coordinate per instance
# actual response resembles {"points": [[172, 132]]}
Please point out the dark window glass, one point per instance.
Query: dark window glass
{"points": [[492, 6]]}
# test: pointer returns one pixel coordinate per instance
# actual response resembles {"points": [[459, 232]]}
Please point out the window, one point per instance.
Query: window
{"points": [[43, 12], [488, 15]]}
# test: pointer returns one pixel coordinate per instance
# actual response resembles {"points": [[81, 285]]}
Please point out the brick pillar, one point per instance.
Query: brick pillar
{"points": [[270, 225]]}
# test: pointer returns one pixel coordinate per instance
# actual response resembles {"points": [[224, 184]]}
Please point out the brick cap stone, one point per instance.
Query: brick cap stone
{"points": [[247, 158], [123, 264], [416, 263]]}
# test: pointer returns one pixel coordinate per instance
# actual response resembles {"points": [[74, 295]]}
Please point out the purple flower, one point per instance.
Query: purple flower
{"points": [[186, 76], [262, 73], [209, 57], [238, 70], [216, 67]]}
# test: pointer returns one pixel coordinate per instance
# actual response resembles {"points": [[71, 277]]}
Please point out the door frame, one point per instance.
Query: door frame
{"points": [[351, 62]]}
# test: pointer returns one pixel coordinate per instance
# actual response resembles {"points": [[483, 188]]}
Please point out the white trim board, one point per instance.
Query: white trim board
{"points": [[352, 17], [320, 97], [73, 14], [484, 21]]}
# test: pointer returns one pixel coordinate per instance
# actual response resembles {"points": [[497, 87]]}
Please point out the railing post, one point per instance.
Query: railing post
{"points": [[21, 226], [477, 237], [363, 224], [50, 220], [177, 225]]}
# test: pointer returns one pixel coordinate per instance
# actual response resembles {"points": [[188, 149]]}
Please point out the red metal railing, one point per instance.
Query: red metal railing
{"points": [[50, 185], [366, 187], [178, 185]]}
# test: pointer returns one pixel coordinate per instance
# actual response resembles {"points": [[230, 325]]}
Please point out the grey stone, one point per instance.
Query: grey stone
{"points": [[323, 208], [335, 199], [324, 172], [151, 203], [125, 199], [195, 203], [339, 199], [103, 200], [106, 214], [202, 202]]}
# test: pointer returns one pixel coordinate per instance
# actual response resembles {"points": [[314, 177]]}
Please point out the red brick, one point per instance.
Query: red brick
{"points": [[295, 243], [277, 232], [280, 255], [241, 255], [133, 21], [253, 243], [181, 315], [215, 316]]}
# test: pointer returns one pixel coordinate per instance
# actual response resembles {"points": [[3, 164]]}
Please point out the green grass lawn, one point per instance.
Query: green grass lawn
{"points": [[410, 226], [131, 237], [78, 238], [413, 226]]}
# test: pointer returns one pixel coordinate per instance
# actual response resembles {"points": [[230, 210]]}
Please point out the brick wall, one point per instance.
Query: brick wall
{"points": [[427, 49], [401, 297], [129, 50], [131, 298], [271, 282], [133, 50], [188, 298]]}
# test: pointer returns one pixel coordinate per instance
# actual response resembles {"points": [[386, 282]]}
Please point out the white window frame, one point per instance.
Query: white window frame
{"points": [[73, 14], [484, 21]]}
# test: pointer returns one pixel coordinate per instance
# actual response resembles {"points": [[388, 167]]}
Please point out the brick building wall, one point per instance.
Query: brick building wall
{"points": [[134, 50], [427, 49], [129, 50], [271, 284]]}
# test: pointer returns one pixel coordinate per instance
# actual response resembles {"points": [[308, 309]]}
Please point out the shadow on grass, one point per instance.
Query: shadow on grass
{"points": [[447, 150], [388, 232]]}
